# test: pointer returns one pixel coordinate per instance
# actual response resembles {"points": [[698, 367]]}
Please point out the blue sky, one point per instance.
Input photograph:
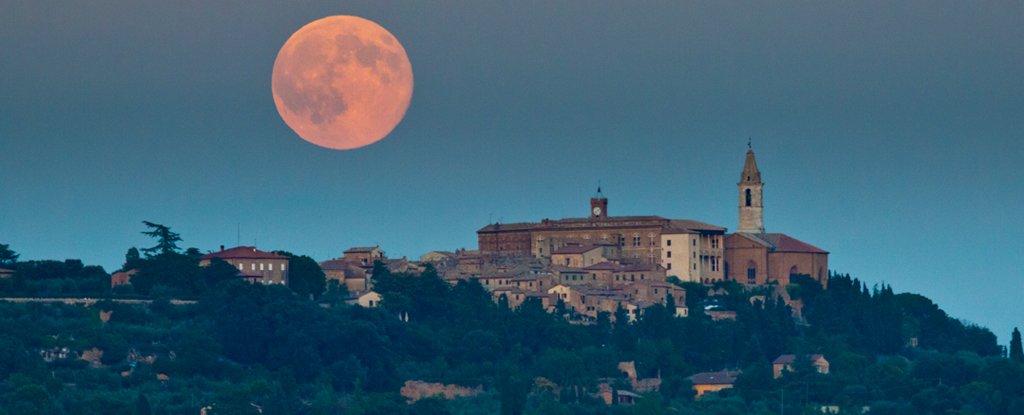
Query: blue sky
{"points": [[888, 133]]}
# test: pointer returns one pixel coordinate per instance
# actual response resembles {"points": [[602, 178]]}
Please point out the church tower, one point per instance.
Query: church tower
{"points": [[598, 205], [750, 188]]}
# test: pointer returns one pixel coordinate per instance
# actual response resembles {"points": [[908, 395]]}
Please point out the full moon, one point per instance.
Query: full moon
{"points": [[342, 82]]}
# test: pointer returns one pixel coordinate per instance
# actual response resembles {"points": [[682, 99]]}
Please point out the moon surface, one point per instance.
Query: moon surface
{"points": [[342, 82]]}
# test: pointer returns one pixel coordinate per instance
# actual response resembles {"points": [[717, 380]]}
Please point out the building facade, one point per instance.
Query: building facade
{"points": [[755, 257], [625, 239], [253, 264]]}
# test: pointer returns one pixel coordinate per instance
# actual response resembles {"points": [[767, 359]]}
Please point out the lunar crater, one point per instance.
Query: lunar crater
{"points": [[342, 82]]}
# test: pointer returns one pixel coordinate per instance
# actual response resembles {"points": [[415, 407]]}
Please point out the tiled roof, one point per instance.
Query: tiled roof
{"points": [[360, 249], [496, 227], [788, 359], [695, 225], [603, 266], [725, 377], [574, 249], [243, 252], [780, 242]]}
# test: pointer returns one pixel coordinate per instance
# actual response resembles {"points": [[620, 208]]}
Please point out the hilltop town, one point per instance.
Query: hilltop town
{"points": [[596, 314], [595, 264]]}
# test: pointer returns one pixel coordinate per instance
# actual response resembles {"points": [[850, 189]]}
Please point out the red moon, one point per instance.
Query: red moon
{"points": [[342, 82]]}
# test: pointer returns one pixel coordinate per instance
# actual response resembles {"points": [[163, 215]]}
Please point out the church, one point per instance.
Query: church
{"points": [[689, 250], [755, 257]]}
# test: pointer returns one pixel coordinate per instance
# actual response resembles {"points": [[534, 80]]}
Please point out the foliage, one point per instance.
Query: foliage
{"points": [[246, 347], [167, 241], [7, 256], [1016, 351], [305, 276]]}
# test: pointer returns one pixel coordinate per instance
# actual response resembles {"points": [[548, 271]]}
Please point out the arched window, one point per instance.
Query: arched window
{"points": [[793, 271], [747, 192], [751, 273]]}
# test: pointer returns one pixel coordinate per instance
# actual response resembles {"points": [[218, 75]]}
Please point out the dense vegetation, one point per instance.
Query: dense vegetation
{"points": [[245, 346]]}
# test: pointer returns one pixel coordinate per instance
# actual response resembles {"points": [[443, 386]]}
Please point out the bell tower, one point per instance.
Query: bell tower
{"points": [[751, 193], [598, 205]]}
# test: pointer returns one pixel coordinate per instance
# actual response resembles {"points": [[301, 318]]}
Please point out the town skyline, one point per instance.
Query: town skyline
{"points": [[887, 134]]}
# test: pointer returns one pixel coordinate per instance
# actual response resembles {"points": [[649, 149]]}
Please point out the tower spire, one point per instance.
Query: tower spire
{"points": [[598, 204], [751, 193]]}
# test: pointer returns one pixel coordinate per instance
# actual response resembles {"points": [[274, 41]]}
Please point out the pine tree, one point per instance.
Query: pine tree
{"points": [[1016, 350], [7, 255], [167, 241]]}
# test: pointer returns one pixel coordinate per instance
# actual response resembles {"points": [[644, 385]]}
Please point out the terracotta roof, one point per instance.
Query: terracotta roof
{"points": [[725, 377], [786, 243], [638, 267], [574, 249], [695, 225], [603, 266], [609, 219], [780, 242], [788, 359], [498, 227], [360, 249], [334, 265], [243, 252]]}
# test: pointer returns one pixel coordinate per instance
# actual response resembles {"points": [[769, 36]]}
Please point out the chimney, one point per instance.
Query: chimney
{"points": [[222, 247]]}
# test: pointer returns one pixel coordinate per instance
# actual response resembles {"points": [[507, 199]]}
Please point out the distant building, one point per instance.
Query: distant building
{"points": [[754, 257], [122, 278], [253, 265], [577, 256], [369, 299], [784, 363], [6, 273], [364, 256], [705, 382], [624, 239]]}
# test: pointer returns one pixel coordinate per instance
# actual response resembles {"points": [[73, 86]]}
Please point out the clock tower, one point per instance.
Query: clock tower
{"points": [[598, 205]]}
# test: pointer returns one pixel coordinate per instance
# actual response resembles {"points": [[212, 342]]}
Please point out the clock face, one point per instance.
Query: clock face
{"points": [[597, 210]]}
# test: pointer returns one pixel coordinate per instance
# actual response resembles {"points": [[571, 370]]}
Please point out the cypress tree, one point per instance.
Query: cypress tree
{"points": [[1016, 351]]}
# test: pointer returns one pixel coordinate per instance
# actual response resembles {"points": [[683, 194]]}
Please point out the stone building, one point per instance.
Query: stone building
{"points": [[754, 257], [696, 256], [253, 264]]}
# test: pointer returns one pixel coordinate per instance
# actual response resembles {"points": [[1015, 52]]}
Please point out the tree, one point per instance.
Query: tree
{"points": [[1016, 351], [7, 256], [142, 405], [305, 276], [167, 241], [132, 259]]}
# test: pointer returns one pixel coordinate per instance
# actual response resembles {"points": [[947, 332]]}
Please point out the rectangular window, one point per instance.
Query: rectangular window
{"points": [[241, 267], [669, 265], [261, 266], [270, 266], [668, 254], [694, 242], [636, 241], [668, 242], [282, 267], [252, 266]]}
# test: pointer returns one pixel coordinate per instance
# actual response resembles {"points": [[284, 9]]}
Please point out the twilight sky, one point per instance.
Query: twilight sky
{"points": [[889, 133]]}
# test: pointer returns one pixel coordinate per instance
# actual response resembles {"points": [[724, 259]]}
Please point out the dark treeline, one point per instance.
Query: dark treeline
{"points": [[244, 348]]}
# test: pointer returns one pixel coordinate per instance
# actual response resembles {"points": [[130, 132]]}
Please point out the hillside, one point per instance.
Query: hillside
{"points": [[244, 346]]}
